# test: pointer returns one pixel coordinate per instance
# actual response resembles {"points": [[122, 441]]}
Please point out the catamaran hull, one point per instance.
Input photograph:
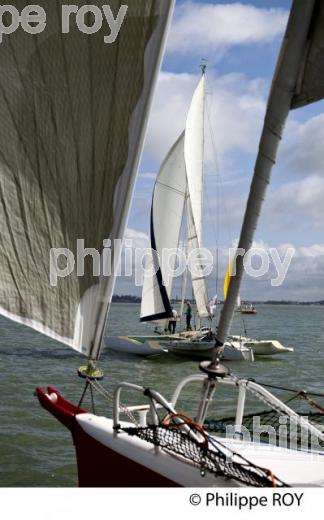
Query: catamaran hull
{"points": [[204, 350], [109, 459], [127, 345], [237, 352], [262, 347], [150, 347]]}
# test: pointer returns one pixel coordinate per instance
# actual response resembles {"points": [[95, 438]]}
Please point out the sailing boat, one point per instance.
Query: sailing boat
{"points": [[144, 450], [260, 347], [178, 193], [248, 308]]}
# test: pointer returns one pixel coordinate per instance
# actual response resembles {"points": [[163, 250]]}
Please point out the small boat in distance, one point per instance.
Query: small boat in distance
{"points": [[247, 308]]}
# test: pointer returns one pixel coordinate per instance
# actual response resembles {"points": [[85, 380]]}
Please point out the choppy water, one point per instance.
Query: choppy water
{"points": [[36, 451]]}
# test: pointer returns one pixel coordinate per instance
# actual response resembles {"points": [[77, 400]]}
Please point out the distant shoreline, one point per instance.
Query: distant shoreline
{"points": [[128, 298]]}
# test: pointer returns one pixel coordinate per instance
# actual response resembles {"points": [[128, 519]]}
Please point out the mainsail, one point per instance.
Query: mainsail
{"points": [[166, 218], [196, 267], [194, 160], [73, 112], [194, 154]]}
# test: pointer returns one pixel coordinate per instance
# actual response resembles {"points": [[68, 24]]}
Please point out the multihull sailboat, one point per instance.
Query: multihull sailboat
{"points": [[259, 347], [72, 130], [178, 197]]}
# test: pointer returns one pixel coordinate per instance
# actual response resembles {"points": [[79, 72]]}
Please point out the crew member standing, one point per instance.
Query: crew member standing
{"points": [[173, 322], [188, 316]]}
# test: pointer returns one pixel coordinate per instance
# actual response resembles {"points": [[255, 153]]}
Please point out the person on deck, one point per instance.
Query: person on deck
{"points": [[188, 316], [173, 322]]}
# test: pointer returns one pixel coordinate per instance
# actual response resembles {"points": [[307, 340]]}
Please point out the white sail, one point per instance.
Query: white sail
{"points": [[183, 292], [195, 267], [166, 218], [183, 168], [194, 159], [72, 129], [194, 154]]}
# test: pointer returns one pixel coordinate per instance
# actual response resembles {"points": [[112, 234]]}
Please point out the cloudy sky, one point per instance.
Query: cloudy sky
{"points": [[240, 41]]}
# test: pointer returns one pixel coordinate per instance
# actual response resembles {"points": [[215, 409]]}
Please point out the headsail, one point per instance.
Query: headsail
{"points": [[166, 219], [72, 128]]}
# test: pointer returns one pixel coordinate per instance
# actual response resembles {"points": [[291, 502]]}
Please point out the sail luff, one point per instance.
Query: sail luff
{"points": [[165, 17], [279, 105]]}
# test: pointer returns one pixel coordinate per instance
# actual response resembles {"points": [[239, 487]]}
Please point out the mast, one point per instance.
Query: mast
{"points": [[291, 64], [279, 104]]}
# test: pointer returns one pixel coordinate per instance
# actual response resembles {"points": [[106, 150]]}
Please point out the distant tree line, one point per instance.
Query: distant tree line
{"points": [[130, 298]]}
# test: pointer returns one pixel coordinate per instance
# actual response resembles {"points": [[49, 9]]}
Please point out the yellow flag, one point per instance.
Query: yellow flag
{"points": [[227, 280]]}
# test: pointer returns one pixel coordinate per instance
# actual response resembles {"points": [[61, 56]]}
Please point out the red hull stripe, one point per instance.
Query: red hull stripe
{"points": [[63, 410], [98, 465]]}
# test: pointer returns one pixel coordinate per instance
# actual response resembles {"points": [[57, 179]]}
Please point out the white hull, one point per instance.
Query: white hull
{"points": [[129, 345], [295, 468], [236, 352], [262, 347], [183, 344], [232, 351]]}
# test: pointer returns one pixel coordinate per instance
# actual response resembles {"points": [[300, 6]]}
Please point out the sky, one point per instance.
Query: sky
{"points": [[240, 42]]}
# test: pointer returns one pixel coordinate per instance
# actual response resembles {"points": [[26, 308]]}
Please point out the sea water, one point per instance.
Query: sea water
{"points": [[35, 450]]}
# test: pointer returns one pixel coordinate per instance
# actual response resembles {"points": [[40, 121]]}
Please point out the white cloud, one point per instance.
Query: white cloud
{"points": [[302, 150], [205, 28], [235, 106], [138, 238], [313, 251], [296, 200]]}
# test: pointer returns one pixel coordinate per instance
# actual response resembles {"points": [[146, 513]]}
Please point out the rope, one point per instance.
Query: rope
{"points": [[293, 390], [187, 420], [311, 402], [267, 471], [110, 397]]}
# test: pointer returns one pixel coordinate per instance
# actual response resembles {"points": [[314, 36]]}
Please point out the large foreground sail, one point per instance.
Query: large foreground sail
{"points": [[73, 111]]}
